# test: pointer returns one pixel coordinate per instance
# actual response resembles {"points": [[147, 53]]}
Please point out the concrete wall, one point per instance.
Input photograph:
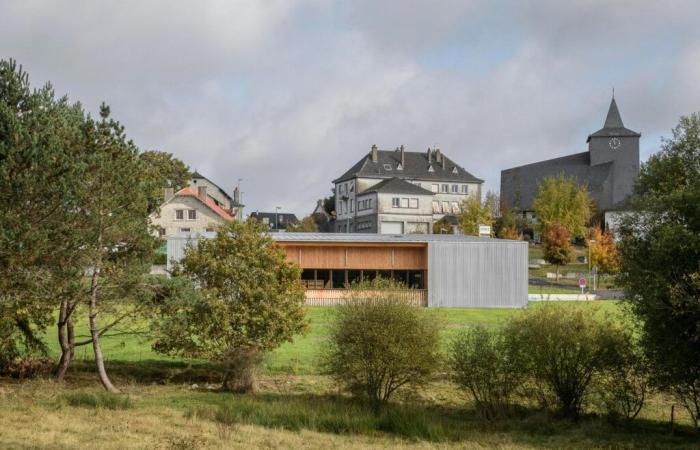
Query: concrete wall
{"points": [[477, 274]]}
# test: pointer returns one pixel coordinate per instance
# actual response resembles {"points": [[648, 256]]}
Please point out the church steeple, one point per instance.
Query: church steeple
{"points": [[613, 120]]}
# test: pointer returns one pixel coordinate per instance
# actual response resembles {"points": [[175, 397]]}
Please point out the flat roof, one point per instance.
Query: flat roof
{"points": [[362, 237]]}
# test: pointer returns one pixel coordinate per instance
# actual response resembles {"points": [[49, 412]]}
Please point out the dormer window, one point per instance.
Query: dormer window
{"points": [[430, 169], [399, 167], [454, 170], [387, 167]]}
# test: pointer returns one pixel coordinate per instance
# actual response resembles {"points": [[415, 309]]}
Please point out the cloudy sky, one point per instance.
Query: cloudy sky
{"points": [[287, 94]]}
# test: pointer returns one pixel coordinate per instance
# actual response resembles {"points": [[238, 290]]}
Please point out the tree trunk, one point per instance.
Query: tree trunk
{"points": [[94, 333], [64, 342], [557, 273]]}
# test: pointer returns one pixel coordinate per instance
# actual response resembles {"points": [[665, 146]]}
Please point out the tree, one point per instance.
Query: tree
{"points": [[604, 254], [443, 226], [493, 203], [557, 245], [660, 263], [474, 213], [249, 301], [379, 343], [40, 174], [562, 201], [163, 170], [306, 225]]}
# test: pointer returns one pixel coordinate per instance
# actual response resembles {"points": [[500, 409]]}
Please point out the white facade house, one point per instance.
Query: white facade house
{"points": [[400, 192]]}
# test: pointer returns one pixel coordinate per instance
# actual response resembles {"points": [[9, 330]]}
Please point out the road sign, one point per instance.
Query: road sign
{"points": [[582, 282], [484, 230]]}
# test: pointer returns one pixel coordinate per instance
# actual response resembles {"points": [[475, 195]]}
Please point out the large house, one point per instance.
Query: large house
{"points": [[609, 169], [198, 208], [401, 192]]}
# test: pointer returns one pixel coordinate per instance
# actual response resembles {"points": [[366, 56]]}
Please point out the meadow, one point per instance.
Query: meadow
{"points": [[173, 403]]}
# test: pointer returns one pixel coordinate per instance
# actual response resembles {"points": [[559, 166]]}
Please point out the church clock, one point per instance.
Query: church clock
{"points": [[615, 143]]}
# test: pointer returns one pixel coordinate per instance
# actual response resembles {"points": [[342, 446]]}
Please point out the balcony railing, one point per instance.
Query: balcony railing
{"points": [[333, 297]]}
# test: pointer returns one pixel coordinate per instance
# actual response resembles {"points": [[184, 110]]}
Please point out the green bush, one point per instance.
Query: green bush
{"points": [[485, 364], [562, 349], [379, 343], [103, 400]]}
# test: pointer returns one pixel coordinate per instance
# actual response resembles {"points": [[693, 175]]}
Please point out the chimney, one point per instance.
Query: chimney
{"points": [[236, 196], [403, 158], [442, 159], [168, 193], [202, 193], [438, 155], [375, 156], [430, 156]]}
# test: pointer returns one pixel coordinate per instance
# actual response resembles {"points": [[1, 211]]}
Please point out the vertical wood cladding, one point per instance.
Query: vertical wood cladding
{"points": [[358, 257]]}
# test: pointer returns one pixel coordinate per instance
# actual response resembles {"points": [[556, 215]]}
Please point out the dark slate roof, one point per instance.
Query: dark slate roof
{"points": [[397, 186], [613, 125], [519, 184], [416, 167], [197, 175], [284, 218]]}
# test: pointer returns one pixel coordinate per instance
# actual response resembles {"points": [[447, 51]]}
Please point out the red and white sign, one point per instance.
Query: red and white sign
{"points": [[582, 282]]}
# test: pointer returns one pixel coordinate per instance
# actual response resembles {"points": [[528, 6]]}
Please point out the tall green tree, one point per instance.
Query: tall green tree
{"points": [[249, 301], [660, 262], [163, 170], [474, 213], [40, 173], [561, 200]]}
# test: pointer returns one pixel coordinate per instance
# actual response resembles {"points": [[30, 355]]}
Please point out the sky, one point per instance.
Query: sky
{"points": [[285, 95]]}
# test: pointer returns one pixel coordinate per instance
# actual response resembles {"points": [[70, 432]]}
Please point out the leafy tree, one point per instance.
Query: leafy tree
{"points": [[557, 246], [604, 255], [379, 343], [306, 225], [443, 226], [562, 201], [40, 173], [250, 301], [493, 203], [163, 170], [562, 348], [474, 213], [660, 263]]}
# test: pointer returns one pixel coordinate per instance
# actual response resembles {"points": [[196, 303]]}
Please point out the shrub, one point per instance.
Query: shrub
{"points": [[562, 348], [379, 344], [27, 367], [484, 363]]}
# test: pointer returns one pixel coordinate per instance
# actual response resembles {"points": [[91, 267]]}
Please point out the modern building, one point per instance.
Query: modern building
{"points": [[441, 270], [277, 221], [608, 168], [401, 192], [197, 208]]}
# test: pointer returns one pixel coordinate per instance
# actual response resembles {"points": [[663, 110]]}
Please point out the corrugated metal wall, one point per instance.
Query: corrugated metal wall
{"points": [[477, 274], [176, 249]]}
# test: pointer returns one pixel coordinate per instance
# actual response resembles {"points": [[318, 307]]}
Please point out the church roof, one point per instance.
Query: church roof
{"points": [[613, 125], [397, 186], [416, 166]]}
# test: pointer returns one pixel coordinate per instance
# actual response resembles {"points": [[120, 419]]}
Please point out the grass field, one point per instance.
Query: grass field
{"points": [[170, 403]]}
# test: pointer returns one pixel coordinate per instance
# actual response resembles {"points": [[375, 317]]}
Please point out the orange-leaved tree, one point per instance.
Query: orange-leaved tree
{"points": [[557, 245]]}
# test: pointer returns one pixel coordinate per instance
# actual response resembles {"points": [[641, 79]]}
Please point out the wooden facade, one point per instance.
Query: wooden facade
{"points": [[358, 256]]}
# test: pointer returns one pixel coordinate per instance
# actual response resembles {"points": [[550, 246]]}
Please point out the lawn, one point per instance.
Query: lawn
{"points": [[170, 403]]}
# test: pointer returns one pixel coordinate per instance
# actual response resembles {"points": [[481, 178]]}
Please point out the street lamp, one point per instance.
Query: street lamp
{"points": [[277, 218]]}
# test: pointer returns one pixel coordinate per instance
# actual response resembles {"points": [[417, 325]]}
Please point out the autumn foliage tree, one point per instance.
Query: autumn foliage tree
{"points": [[560, 200], [474, 213], [604, 256], [557, 245]]}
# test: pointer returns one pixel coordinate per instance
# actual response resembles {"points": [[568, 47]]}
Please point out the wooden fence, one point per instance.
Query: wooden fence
{"points": [[334, 297]]}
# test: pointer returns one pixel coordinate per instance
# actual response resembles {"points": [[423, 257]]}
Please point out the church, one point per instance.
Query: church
{"points": [[609, 169]]}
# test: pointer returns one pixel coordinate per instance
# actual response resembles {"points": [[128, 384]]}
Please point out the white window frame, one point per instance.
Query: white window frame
{"points": [[395, 202], [436, 207], [445, 188], [413, 203], [446, 207], [435, 188], [455, 189]]}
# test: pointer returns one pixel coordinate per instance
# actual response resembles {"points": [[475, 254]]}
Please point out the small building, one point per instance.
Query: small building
{"points": [[277, 221], [609, 169], [441, 270], [440, 187]]}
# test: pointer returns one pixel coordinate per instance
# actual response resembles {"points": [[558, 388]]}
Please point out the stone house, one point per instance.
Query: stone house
{"points": [[401, 192]]}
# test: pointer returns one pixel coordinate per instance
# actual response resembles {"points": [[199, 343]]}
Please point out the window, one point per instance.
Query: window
{"points": [[266, 220], [179, 214], [445, 188], [455, 207], [399, 167], [455, 188], [352, 186], [414, 203], [446, 207], [404, 203], [436, 208], [435, 188], [465, 189], [369, 203], [352, 206], [192, 214], [396, 202], [454, 170], [387, 167], [430, 169], [184, 230], [210, 229]]}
